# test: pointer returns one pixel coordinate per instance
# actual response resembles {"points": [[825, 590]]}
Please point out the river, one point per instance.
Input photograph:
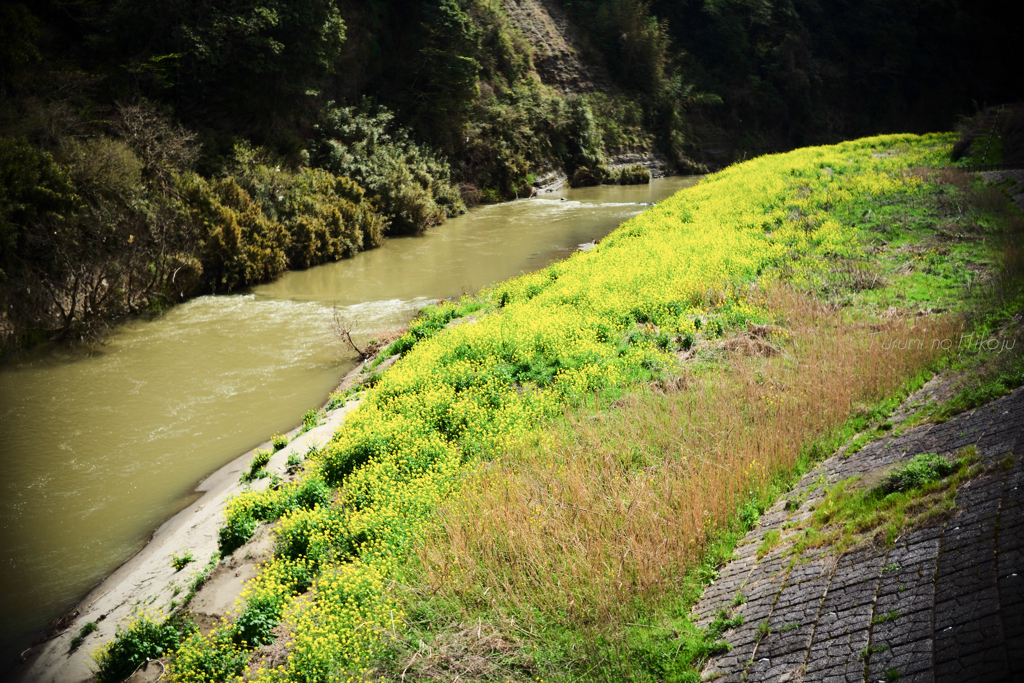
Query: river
{"points": [[101, 444]]}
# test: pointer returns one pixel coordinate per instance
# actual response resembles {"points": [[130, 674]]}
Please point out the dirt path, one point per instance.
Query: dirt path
{"points": [[945, 603]]}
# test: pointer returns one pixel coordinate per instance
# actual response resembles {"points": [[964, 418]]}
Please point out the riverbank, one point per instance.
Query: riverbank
{"points": [[628, 313], [578, 555], [683, 276], [149, 581], [133, 424]]}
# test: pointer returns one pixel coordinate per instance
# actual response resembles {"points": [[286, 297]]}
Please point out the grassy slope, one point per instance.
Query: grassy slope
{"points": [[674, 278]]}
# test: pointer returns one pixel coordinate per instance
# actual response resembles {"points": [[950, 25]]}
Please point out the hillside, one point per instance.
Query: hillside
{"points": [[537, 481], [155, 151]]}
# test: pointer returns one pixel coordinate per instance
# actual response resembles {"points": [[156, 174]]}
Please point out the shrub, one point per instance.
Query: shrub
{"points": [[584, 137], [253, 627], [409, 183], [636, 174], [584, 176], [83, 632], [310, 419], [212, 658], [313, 492], [327, 219], [143, 637], [85, 241], [257, 466], [508, 137], [922, 469], [235, 533], [32, 188], [314, 536], [239, 246], [104, 167]]}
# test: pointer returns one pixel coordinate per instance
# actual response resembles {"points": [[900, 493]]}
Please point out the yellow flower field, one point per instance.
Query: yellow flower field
{"points": [[537, 344]]}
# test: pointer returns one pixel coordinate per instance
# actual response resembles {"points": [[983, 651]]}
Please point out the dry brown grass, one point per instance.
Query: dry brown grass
{"points": [[608, 511], [384, 338], [462, 651]]}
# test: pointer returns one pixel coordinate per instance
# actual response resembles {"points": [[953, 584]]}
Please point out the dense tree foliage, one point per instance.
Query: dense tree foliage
{"points": [[246, 58], [410, 184], [804, 70], [154, 149], [796, 71], [101, 217]]}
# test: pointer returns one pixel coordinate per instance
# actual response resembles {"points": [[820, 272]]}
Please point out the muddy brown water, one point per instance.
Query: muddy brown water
{"points": [[99, 445]]}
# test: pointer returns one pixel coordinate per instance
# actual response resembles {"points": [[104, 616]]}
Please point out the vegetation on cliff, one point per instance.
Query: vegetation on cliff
{"points": [[156, 150], [797, 72]]}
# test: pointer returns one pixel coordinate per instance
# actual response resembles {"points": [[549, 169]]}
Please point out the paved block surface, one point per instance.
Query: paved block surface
{"points": [[943, 604]]}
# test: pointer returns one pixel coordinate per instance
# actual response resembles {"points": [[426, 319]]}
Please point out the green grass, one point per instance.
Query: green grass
{"points": [[920, 490], [889, 616], [922, 469], [769, 541]]}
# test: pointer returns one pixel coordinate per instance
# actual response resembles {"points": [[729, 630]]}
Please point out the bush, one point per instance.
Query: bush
{"points": [[253, 627], [33, 188], [85, 241], [586, 177], [328, 219], [1013, 136], [922, 469], [409, 183], [310, 419], [213, 658], [636, 174], [240, 246], [313, 492], [143, 637], [583, 141], [104, 167], [257, 467], [83, 632], [180, 561], [235, 533], [511, 135]]}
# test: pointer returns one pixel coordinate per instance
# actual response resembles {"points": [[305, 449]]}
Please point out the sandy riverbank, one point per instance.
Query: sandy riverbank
{"points": [[148, 580]]}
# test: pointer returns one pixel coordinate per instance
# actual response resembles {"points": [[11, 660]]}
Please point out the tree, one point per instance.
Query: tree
{"points": [[243, 57], [19, 30]]}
